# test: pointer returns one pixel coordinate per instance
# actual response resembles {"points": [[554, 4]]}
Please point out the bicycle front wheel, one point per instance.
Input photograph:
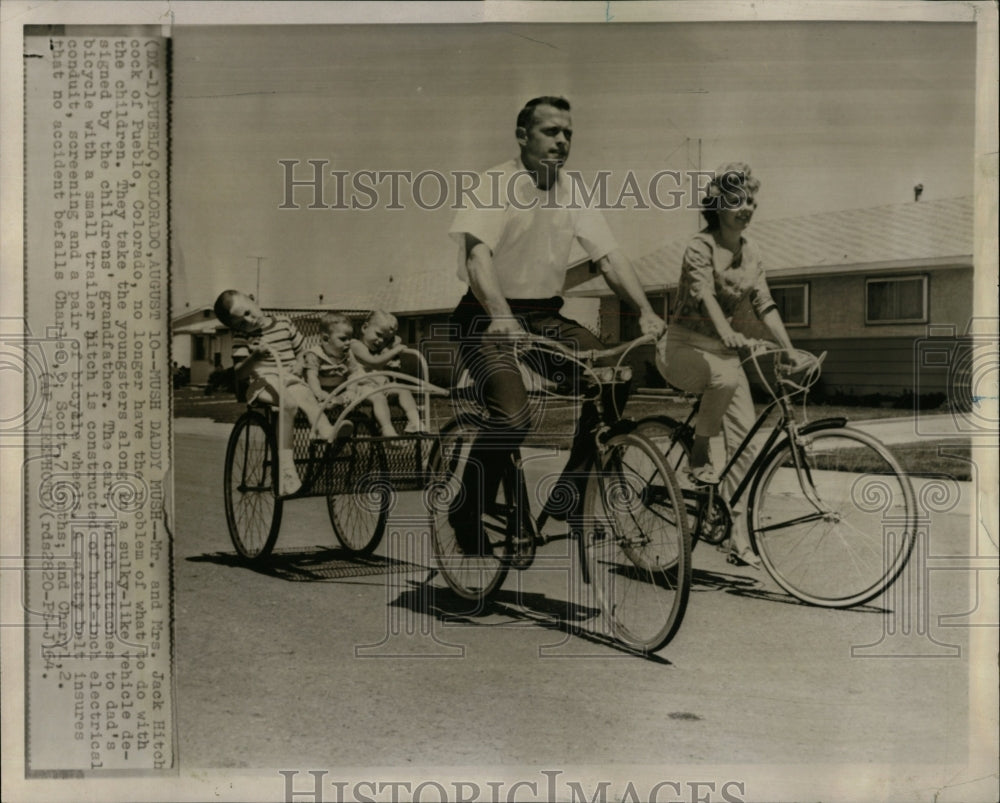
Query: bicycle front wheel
{"points": [[253, 511], [472, 574], [635, 543], [360, 494], [833, 518]]}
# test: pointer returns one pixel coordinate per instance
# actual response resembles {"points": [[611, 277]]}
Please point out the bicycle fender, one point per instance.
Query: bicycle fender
{"points": [[627, 426], [824, 423], [685, 432], [622, 427]]}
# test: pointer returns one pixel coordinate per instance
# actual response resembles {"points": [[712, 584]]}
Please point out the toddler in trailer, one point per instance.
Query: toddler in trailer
{"points": [[377, 349], [255, 336], [329, 364]]}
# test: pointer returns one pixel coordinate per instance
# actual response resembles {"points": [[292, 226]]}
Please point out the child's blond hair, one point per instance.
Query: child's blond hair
{"points": [[329, 322], [381, 315]]}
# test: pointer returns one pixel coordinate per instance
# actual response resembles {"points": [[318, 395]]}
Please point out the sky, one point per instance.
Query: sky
{"points": [[829, 115]]}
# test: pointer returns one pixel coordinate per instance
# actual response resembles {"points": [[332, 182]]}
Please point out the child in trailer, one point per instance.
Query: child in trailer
{"points": [[257, 337], [377, 349], [331, 363]]}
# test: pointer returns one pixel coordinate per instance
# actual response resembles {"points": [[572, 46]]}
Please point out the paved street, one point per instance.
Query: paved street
{"points": [[324, 662]]}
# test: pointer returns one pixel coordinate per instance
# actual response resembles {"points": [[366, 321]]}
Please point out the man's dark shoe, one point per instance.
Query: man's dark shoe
{"points": [[470, 534], [565, 498]]}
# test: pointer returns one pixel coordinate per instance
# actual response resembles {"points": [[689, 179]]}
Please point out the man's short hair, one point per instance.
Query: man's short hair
{"points": [[526, 116]]}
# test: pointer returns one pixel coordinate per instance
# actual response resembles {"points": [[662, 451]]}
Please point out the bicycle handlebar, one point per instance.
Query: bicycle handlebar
{"points": [[618, 351], [760, 348], [584, 357], [805, 363]]}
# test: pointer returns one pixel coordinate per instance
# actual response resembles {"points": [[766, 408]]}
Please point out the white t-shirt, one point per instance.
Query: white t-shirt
{"points": [[530, 231]]}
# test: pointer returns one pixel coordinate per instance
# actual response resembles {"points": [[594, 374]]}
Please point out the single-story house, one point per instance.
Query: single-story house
{"points": [[885, 291], [422, 301], [198, 341]]}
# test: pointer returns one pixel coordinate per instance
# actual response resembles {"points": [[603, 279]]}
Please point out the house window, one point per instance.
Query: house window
{"points": [[199, 348], [897, 300], [793, 303]]}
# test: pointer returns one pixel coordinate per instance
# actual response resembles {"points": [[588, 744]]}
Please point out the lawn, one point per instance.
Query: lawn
{"points": [[556, 420]]}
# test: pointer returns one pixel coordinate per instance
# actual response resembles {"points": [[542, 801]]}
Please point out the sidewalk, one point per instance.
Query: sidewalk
{"points": [[936, 426]]}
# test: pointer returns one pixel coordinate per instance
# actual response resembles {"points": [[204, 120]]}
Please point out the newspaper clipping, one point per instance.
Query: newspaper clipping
{"points": [[97, 423], [291, 288]]}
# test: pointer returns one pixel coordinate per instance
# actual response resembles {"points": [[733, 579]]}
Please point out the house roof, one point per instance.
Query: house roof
{"points": [[904, 236], [913, 234], [200, 328], [421, 292], [193, 316]]}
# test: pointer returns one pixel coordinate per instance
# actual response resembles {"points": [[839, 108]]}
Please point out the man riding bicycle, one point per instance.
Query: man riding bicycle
{"points": [[514, 250]]}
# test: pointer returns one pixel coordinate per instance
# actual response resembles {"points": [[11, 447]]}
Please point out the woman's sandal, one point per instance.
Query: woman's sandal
{"points": [[742, 554], [704, 475], [746, 557]]}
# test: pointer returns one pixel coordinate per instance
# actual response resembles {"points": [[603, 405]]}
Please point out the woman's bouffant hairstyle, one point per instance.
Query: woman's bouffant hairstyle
{"points": [[733, 183]]}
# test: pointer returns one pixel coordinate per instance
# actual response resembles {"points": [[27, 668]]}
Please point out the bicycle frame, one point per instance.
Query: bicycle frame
{"points": [[786, 425], [608, 380], [633, 559]]}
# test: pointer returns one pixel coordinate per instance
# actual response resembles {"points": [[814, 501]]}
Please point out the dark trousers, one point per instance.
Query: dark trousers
{"points": [[499, 388]]}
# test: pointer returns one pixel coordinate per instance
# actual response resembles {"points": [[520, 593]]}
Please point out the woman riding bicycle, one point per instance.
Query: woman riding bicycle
{"points": [[721, 275]]}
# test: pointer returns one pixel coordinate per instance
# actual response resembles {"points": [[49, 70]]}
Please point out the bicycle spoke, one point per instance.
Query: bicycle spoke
{"points": [[638, 559], [793, 522], [850, 552], [359, 498], [471, 576], [253, 514]]}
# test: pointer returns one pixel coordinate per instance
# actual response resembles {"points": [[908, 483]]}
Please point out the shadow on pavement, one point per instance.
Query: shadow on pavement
{"points": [[512, 605], [750, 587], [317, 564]]}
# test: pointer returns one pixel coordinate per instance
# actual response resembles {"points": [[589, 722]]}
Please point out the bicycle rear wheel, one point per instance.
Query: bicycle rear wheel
{"points": [[635, 543], [360, 493], [852, 543], [253, 510], [671, 437], [710, 524], [471, 576]]}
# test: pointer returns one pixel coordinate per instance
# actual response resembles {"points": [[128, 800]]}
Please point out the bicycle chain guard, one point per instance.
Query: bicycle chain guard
{"points": [[715, 519]]}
